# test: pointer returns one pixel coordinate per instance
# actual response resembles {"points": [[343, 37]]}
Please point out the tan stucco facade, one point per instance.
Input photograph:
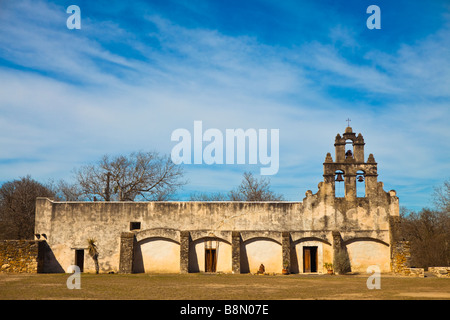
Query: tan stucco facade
{"points": [[236, 237]]}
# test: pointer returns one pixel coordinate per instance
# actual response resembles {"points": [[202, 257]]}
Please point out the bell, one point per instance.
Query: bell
{"points": [[339, 177], [360, 179]]}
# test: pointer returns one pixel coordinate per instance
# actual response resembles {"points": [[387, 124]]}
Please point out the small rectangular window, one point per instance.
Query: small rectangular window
{"points": [[135, 226]]}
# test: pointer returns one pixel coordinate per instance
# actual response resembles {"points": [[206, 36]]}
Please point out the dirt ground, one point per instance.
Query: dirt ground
{"points": [[204, 286]]}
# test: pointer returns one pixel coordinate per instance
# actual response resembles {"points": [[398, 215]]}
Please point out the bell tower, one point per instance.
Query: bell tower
{"points": [[349, 170]]}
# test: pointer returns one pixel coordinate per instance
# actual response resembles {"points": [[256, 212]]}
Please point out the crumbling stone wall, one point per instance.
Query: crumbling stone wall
{"points": [[126, 252], [401, 260], [401, 257], [441, 272], [25, 256]]}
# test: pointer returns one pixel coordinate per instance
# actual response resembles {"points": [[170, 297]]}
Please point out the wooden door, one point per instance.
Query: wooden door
{"points": [[310, 259], [306, 259], [210, 260]]}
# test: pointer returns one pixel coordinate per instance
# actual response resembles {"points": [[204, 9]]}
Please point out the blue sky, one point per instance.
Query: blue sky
{"points": [[136, 72]]}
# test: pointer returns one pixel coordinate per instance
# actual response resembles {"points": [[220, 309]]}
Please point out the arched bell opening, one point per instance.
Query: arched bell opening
{"points": [[360, 184], [349, 150], [339, 184]]}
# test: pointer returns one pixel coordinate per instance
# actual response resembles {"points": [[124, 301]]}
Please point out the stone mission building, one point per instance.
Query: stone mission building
{"points": [[350, 213]]}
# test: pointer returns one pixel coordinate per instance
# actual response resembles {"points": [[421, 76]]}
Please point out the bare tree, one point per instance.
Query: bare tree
{"points": [[65, 191], [252, 189], [208, 197], [138, 176], [441, 196], [428, 232], [18, 205]]}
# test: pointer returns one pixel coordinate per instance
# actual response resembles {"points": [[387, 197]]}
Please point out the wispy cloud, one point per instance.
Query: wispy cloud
{"points": [[68, 97]]}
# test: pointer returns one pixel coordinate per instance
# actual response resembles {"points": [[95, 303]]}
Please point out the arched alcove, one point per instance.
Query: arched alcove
{"points": [[261, 250], [365, 252], [156, 255]]}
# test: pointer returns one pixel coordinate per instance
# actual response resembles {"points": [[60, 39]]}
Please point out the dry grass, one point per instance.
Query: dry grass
{"points": [[219, 287]]}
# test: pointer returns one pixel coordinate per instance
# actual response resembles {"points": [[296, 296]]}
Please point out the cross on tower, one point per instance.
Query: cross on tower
{"points": [[348, 121]]}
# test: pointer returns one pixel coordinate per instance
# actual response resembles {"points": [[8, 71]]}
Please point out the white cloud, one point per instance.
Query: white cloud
{"points": [[75, 100]]}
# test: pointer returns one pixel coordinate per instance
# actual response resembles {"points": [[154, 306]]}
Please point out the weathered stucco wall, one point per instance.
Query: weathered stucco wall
{"points": [[173, 236], [68, 225]]}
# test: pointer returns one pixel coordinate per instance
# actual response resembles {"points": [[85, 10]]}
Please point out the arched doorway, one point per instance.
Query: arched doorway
{"points": [[210, 254]]}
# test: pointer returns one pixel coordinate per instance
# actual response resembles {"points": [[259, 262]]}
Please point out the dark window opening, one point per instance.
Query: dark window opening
{"points": [[135, 226]]}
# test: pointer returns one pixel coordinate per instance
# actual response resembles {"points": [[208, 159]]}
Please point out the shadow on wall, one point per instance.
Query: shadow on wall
{"points": [[138, 261], [193, 260], [294, 267], [245, 267], [50, 264], [341, 261]]}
